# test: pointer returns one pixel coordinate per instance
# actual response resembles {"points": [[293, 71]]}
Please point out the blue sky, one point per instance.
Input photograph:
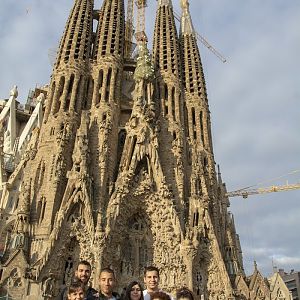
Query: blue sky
{"points": [[254, 102]]}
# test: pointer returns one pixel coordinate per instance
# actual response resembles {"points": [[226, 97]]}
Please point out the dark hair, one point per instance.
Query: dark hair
{"points": [[160, 296], [85, 263], [74, 287], [184, 293], [107, 270], [150, 269], [128, 290]]}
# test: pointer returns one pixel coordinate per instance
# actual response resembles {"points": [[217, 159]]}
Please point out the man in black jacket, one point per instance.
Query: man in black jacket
{"points": [[107, 283], [83, 274]]}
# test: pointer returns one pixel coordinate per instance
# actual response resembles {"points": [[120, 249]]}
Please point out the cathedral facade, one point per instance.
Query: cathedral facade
{"points": [[121, 170]]}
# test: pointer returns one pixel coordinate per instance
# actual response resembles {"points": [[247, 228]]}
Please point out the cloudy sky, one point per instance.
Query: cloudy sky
{"points": [[253, 101]]}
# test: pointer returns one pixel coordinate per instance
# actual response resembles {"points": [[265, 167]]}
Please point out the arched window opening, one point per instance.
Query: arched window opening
{"points": [[100, 81], [193, 116], [108, 84], [115, 85], [121, 143], [173, 103], [57, 100], [198, 189], [78, 93], [69, 93], [166, 99], [196, 219], [187, 129], [201, 127], [52, 94], [88, 93]]}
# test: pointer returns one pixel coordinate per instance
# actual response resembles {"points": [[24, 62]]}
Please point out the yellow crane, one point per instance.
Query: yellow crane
{"points": [[250, 190], [274, 188], [140, 32], [204, 41]]}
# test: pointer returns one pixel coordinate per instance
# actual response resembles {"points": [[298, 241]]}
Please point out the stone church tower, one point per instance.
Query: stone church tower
{"points": [[121, 172]]}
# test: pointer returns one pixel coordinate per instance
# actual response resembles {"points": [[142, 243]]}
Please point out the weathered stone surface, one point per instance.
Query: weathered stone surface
{"points": [[122, 171]]}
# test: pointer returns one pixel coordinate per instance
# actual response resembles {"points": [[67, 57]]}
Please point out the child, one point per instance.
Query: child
{"points": [[76, 291]]}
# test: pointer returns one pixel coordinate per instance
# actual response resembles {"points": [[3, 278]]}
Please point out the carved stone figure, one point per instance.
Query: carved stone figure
{"points": [[120, 203], [48, 286]]}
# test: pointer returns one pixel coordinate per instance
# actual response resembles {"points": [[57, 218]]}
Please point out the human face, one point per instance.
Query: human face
{"points": [[77, 295], [83, 273], [135, 293], [151, 280], [107, 283]]}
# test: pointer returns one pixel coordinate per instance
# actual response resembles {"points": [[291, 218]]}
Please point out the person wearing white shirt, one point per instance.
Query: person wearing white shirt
{"points": [[151, 280]]}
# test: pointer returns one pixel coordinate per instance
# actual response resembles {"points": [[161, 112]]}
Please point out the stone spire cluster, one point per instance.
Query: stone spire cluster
{"points": [[123, 161]]}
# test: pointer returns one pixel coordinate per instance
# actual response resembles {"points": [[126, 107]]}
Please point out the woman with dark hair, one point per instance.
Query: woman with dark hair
{"points": [[184, 294], [134, 291]]}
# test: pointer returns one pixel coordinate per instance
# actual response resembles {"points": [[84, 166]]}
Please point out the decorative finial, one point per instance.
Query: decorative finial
{"points": [[184, 4], [14, 92], [255, 265], [165, 2]]}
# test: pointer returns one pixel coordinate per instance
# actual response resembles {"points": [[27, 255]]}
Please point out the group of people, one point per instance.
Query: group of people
{"points": [[79, 288]]}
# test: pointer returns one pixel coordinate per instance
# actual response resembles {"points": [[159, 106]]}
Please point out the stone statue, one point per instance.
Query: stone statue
{"points": [[48, 286]]}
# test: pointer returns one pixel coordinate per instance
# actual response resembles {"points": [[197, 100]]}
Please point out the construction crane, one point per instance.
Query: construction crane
{"points": [[203, 41], [274, 188], [251, 190], [129, 29], [140, 33]]}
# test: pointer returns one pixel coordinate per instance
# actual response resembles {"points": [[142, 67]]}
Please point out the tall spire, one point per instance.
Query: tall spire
{"points": [[194, 82], [70, 70], [109, 43], [166, 59], [76, 42], [165, 39], [110, 35]]}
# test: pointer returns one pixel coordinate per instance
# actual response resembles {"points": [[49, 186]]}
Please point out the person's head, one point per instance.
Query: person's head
{"points": [[83, 271], [134, 291], [159, 296], [184, 294], [107, 281], [76, 291], [151, 278]]}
